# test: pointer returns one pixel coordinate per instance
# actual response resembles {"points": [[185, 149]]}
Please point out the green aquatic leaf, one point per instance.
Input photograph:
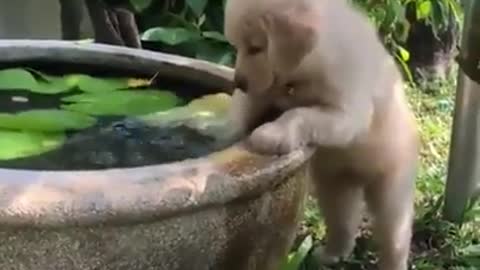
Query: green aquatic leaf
{"points": [[207, 115], [49, 120], [18, 144], [42, 83], [50, 84], [16, 78], [39, 74], [91, 84], [52, 87], [212, 106], [122, 102]]}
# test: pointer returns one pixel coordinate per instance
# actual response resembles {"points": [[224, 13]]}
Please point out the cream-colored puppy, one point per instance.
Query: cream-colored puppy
{"points": [[322, 65]]}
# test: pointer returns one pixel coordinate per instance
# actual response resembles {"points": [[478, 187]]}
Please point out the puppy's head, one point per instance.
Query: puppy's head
{"points": [[271, 38]]}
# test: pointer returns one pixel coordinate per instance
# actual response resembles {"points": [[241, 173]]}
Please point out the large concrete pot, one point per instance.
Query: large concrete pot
{"points": [[231, 209]]}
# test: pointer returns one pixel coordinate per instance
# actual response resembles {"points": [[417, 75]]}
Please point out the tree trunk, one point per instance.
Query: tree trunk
{"points": [[115, 26], [71, 16]]}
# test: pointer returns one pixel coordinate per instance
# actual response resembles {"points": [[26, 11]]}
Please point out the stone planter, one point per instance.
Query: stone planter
{"points": [[231, 209]]}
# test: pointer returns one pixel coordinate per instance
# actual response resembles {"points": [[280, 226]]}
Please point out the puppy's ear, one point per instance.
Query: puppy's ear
{"points": [[291, 36]]}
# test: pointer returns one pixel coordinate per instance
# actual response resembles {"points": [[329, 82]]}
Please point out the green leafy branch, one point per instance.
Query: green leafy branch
{"points": [[191, 28]]}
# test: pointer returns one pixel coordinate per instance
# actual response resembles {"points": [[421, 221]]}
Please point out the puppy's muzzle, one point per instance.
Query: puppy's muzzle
{"points": [[240, 83]]}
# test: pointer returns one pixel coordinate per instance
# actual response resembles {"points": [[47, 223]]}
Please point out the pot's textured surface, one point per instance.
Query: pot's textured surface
{"points": [[231, 210], [247, 234]]}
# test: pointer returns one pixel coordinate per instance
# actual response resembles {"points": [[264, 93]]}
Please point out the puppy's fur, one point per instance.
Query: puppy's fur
{"points": [[321, 63]]}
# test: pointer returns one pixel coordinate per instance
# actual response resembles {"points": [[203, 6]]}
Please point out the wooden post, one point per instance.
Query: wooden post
{"points": [[464, 162]]}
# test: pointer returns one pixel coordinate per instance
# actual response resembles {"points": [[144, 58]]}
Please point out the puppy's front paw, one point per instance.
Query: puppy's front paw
{"points": [[272, 138]]}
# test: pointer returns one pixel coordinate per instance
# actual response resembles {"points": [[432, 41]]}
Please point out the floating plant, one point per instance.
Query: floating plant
{"points": [[102, 122]]}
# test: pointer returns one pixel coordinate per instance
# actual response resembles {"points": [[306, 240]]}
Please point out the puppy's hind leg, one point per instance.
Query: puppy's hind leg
{"points": [[392, 204], [341, 205]]}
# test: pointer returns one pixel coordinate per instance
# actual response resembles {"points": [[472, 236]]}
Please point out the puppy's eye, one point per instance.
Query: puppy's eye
{"points": [[252, 50]]}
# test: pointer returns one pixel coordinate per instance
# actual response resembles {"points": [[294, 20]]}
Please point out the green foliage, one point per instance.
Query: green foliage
{"points": [[35, 131], [38, 82], [18, 144], [88, 83], [83, 82], [101, 96], [207, 115], [45, 120], [16, 78], [190, 28], [296, 258], [394, 16], [393, 19], [194, 28], [122, 102]]}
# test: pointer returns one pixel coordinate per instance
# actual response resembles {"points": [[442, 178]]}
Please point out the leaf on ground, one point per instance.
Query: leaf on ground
{"points": [[16, 79], [18, 144], [48, 120], [122, 102]]}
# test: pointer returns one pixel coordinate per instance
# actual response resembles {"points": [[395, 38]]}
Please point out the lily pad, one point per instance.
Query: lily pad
{"points": [[18, 144], [122, 102], [50, 84], [207, 115], [16, 78], [91, 84], [39, 74], [86, 83], [208, 106], [46, 120], [54, 86]]}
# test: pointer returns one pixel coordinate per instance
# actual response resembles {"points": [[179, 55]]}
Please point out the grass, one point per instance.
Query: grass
{"points": [[437, 244]]}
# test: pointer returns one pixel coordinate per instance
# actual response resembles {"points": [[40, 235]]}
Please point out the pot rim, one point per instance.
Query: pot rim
{"points": [[35, 198]]}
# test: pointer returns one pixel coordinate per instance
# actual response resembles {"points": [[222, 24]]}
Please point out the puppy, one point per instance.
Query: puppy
{"points": [[321, 64]]}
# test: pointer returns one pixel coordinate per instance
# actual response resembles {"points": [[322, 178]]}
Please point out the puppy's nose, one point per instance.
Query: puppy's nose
{"points": [[240, 83]]}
